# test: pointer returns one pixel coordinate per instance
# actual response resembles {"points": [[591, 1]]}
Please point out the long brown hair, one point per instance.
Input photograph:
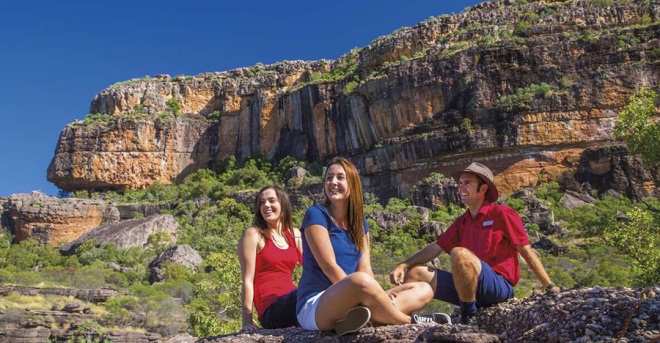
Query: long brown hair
{"points": [[286, 218], [355, 204]]}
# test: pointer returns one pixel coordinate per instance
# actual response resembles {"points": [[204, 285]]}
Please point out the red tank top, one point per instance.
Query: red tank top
{"points": [[272, 273]]}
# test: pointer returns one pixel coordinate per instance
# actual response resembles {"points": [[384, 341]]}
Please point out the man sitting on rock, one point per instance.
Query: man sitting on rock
{"points": [[483, 244]]}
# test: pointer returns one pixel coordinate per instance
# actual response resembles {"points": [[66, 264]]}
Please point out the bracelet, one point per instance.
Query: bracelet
{"points": [[550, 286]]}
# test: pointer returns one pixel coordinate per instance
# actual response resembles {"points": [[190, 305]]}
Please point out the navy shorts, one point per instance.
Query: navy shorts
{"points": [[281, 313], [492, 288]]}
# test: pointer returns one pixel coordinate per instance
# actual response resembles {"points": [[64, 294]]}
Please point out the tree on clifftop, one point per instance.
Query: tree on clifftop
{"points": [[639, 126]]}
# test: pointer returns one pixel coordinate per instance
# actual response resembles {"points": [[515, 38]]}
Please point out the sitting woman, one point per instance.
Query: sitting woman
{"points": [[337, 289], [268, 252]]}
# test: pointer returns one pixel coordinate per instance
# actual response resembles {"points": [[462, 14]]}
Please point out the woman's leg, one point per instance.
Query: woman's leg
{"points": [[357, 289], [411, 297]]}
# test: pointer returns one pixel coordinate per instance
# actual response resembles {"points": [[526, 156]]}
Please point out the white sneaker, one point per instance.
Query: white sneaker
{"points": [[436, 318]]}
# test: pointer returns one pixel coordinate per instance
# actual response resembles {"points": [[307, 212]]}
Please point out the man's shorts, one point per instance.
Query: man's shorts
{"points": [[281, 313], [307, 314], [492, 288]]}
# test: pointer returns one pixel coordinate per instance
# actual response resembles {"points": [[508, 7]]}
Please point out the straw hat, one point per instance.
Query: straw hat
{"points": [[485, 174]]}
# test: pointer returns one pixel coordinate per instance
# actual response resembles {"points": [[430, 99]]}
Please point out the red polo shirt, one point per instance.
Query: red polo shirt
{"points": [[492, 236]]}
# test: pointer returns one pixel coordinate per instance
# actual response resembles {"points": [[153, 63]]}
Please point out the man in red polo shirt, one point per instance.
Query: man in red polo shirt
{"points": [[483, 244]]}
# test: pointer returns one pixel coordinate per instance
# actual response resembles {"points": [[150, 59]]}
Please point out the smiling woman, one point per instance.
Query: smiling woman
{"points": [[337, 289], [268, 252]]}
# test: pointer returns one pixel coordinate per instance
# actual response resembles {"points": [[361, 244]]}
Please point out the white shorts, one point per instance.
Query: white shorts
{"points": [[307, 315]]}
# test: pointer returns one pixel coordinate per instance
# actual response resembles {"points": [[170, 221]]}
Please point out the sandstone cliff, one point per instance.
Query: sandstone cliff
{"points": [[523, 88]]}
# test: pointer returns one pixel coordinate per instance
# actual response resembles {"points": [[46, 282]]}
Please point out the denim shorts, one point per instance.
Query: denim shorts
{"points": [[492, 288], [307, 314], [281, 313]]}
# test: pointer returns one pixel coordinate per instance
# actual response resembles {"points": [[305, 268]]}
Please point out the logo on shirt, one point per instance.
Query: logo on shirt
{"points": [[488, 223]]}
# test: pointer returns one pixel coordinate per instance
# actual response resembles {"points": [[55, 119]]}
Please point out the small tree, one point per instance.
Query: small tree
{"points": [[639, 126], [637, 239]]}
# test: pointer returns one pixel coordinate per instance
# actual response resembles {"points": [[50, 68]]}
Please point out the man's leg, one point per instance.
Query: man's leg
{"points": [[441, 281], [465, 269]]}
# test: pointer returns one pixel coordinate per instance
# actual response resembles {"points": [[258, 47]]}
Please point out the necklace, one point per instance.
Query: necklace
{"points": [[283, 245]]}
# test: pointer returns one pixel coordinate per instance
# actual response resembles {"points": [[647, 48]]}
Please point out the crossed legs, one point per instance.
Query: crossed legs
{"points": [[362, 289]]}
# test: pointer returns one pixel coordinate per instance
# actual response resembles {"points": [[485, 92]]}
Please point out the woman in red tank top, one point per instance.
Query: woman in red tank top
{"points": [[269, 251]]}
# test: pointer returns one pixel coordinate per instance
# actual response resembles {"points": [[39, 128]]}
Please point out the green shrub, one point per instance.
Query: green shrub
{"points": [[586, 36], [173, 106], [396, 205], [213, 115], [639, 126], [96, 117], [638, 238], [521, 98]]}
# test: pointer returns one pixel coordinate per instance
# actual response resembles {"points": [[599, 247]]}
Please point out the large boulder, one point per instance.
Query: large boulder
{"points": [[127, 233], [52, 220], [183, 255]]}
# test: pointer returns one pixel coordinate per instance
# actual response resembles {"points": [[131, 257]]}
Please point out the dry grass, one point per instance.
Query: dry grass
{"points": [[43, 302]]}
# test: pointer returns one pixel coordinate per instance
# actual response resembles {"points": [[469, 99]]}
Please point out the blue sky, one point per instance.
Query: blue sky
{"points": [[56, 55]]}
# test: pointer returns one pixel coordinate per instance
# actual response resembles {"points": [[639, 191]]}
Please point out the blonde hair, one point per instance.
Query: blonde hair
{"points": [[355, 203]]}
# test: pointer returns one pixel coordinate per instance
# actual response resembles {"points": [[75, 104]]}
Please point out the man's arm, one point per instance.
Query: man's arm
{"points": [[534, 263], [425, 255]]}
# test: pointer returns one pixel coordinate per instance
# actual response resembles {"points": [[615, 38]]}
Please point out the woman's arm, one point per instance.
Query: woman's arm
{"points": [[318, 239], [364, 265], [297, 238], [247, 255]]}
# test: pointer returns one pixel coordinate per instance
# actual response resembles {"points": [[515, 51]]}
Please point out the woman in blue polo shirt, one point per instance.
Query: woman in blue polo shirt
{"points": [[337, 290]]}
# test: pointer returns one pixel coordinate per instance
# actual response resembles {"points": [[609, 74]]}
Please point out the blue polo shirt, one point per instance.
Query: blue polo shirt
{"points": [[313, 280]]}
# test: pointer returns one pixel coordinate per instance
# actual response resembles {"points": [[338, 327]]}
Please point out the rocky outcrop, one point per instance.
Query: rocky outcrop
{"points": [[67, 324], [400, 333], [183, 255], [127, 233], [524, 88], [91, 295], [389, 222], [577, 315], [131, 211], [53, 220]]}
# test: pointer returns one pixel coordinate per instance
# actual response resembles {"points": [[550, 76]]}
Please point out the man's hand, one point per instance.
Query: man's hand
{"points": [[553, 290], [397, 275], [249, 328]]}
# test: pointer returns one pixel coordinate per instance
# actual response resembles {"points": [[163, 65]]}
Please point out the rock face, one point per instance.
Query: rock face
{"points": [[52, 220], [577, 315], [526, 100], [183, 255], [128, 233]]}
